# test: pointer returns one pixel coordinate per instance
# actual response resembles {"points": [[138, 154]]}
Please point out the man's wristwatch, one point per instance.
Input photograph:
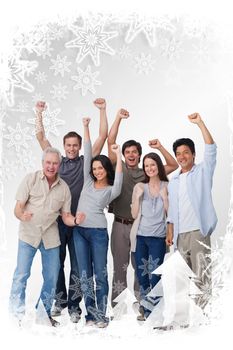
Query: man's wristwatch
{"points": [[75, 223]]}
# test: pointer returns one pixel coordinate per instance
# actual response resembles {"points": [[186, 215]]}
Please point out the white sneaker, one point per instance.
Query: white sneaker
{"points": [[90, 323]]}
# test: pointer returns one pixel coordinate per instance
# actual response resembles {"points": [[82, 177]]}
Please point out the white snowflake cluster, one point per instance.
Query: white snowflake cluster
{"points": [[144, 63], [86, 80], [91, 40], [50, 121], [12, 73]]}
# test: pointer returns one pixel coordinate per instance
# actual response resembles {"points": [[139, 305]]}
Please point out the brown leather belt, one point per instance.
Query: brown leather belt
{"points": [[123, 220]]}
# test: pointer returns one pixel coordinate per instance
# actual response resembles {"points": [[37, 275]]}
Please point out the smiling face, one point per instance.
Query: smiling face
{"points": [[50, 166], [150, 167], [132, 157], [98, 171], [72, 147], [185, 158]]}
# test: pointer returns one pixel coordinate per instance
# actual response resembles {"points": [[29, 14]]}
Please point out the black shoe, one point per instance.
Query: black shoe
{"points": [[53, 322]]}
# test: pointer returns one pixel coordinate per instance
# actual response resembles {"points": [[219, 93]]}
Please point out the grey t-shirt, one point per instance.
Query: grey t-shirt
{"points": [[93, 201], [71, 171], [121, 206]]}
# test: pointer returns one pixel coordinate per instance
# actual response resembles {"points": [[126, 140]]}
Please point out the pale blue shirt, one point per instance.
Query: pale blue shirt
{"points": [[199, 186]]}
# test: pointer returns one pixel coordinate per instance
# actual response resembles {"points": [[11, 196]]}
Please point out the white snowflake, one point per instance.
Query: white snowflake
{"points": [[144, 63], [194, 27], [140, 24], [12, 75], [172, 76], [41, 77], [118, 287], [60, 65], [201, 52], [1, 191], [56, 31], [125, 267], [8, 169], [49, 298], [76, 287], [32, 41], [50, 122], [164, 22], [91, 40], [124, 52], [2, 124], [45, 49], [59, 92], [18, 137], [22, 107], [87, 285], [26, 160], [38, 97], [171, 48], [86, 80], [148, 266]]}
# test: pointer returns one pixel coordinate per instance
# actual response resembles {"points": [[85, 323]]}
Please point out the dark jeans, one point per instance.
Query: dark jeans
{"points": [[91, 246], [149, 255], [74, 296]]}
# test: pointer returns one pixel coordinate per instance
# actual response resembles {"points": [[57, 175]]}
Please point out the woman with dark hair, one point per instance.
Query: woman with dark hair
{"points": [[91, 238], [149, 208]]}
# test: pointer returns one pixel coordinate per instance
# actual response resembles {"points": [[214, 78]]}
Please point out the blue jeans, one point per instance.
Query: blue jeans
{"points": [[149, 255], [74, 296], [50, 269], [91, 246]]}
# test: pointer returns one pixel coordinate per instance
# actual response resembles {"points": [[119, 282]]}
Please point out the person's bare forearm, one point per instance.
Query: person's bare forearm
{"points": [[103, 133]]}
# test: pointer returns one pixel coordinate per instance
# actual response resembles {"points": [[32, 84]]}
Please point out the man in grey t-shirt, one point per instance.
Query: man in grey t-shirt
{"points": [[71, 171]]}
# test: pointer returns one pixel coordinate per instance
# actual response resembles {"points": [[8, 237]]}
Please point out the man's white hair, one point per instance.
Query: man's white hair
{"points": [[51, 150]]}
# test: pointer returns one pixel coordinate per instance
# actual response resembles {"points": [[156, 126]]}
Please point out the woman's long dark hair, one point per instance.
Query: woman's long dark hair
{"points": [[107, 165], [161, 170]]}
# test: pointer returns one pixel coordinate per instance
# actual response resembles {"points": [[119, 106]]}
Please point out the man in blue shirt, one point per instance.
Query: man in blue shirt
{"points": [[191, 214]]}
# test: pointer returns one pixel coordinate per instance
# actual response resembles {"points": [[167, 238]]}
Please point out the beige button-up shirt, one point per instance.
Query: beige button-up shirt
{"points": [[46, 204]]}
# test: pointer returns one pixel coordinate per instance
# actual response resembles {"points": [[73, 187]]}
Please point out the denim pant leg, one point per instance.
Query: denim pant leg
{"points": [[83, 254], [99, 251], [50, 269], [61, 284], [141, 258], [157, 251], [22, 272], [74, 294]]}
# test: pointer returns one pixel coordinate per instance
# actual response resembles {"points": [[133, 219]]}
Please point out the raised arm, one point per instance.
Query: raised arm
{"points": [[100, 103], [171, 163], [117, 151], [117, 185], [40, 132], [137, 194], [196, 119], [121, 114], [87, 148], [86, 122]]}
